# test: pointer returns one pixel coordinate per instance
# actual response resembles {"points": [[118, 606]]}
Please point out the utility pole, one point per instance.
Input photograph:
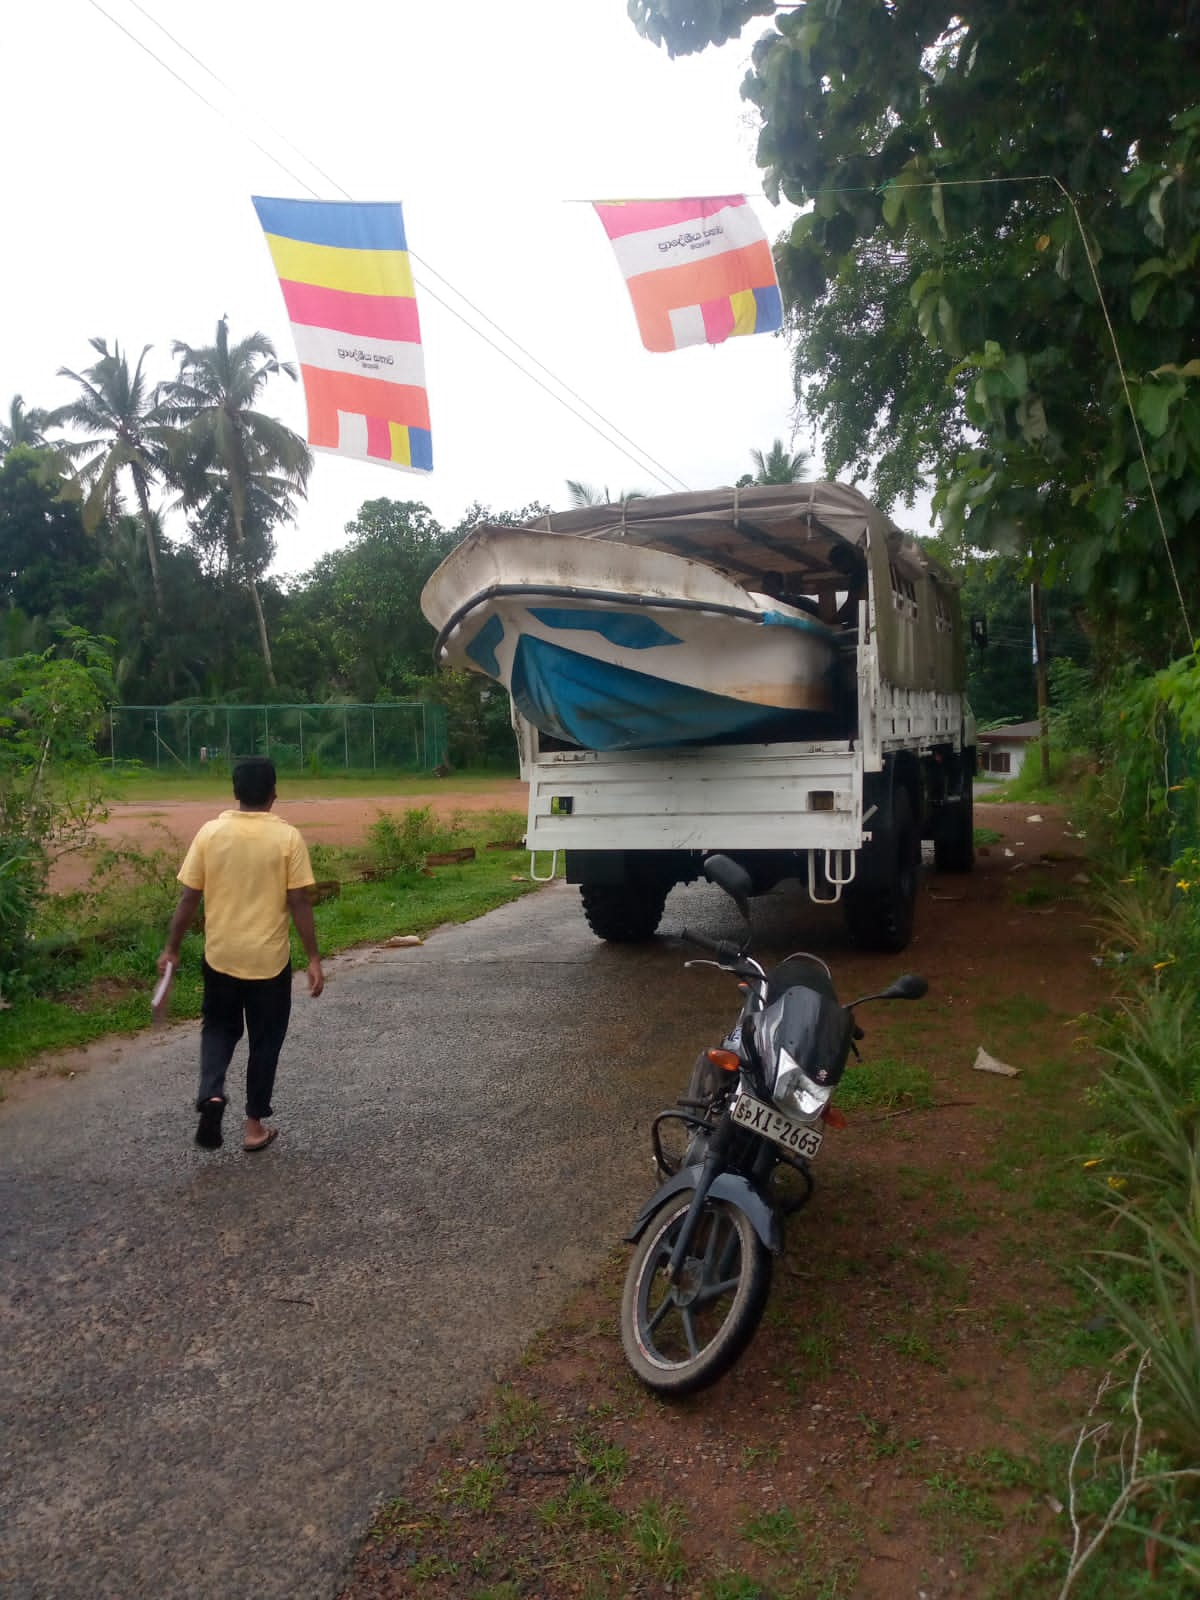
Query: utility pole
{"points": [[1039, 652]]}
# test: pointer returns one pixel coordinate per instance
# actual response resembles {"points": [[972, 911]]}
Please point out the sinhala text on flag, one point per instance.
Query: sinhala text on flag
{"points": [[346, 280], [699, 271]]}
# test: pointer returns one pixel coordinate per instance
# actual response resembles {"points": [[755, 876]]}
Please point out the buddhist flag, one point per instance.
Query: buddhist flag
{"points": [[699, 271], [344, 272]]}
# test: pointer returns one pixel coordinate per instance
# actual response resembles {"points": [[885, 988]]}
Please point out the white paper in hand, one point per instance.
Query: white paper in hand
{"points": [[162, 993]]}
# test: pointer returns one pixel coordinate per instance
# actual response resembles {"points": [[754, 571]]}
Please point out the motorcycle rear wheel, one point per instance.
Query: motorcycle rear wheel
{"points": [[681, 1337]]}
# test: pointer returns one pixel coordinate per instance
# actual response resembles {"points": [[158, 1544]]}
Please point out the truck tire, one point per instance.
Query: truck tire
{"points": [[880, 912], [623, 913], [955, 852]]}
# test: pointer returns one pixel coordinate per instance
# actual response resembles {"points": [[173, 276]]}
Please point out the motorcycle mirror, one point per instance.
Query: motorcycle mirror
{"points": [[911, 986], [731, 876]]}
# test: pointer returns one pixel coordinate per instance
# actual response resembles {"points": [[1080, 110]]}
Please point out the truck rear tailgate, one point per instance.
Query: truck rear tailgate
{"points": [[755, 797]]}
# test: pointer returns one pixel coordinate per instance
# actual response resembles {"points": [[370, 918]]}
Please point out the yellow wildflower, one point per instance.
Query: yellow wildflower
{"points": [[1116, 1183], [1094, 1162], [1169, 962]]}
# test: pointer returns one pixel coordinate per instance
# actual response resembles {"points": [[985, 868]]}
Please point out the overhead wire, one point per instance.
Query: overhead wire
{"points": [[656, 469]]}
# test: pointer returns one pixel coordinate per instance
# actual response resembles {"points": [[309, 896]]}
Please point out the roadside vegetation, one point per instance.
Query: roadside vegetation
{"points": [[86, 968], [1137, 1461], [991, 302], [982, 1369]]}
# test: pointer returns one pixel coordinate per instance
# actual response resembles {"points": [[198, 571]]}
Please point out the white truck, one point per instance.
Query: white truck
{"points": [[888, 763]]}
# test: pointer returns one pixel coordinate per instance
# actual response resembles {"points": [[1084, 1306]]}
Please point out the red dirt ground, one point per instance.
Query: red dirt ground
{"points": [[170, 824], [886, 1433]]}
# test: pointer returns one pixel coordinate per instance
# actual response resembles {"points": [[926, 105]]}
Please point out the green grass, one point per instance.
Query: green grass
{"points": [[518, 1420], [916, 1347], [474, 1487], [654, 1529], [1027, 788], [776, 1531], [959, 1500], [884, 1084], [74, 998], [581, 1505], [1039, 894], [733, 1586], [603, 1462]]}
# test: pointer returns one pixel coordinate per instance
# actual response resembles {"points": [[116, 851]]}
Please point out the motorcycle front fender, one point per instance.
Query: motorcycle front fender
{"points": [[725, 1186]]}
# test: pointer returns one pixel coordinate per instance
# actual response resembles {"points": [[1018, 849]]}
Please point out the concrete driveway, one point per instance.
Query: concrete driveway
{"points": [[215, 1364]]}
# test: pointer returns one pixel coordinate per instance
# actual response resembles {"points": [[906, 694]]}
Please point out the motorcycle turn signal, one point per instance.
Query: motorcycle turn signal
{"points": [[727, 1060]]}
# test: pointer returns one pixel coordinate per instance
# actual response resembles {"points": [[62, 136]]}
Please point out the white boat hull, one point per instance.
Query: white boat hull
{"points": [[617, 647]]}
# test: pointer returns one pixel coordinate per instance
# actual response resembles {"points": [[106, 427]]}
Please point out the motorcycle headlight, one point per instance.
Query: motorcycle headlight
{"points": [[796, 1092]]}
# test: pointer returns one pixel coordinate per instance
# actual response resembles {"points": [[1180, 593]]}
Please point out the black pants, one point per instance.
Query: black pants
{"points": [[266, 1005]]}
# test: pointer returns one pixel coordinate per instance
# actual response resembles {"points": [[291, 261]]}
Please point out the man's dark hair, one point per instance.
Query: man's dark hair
{"points": [[254, 781]]}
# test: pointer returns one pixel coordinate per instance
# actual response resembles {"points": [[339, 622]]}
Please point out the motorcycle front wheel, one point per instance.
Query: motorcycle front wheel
{"points": [[679, 1337]]}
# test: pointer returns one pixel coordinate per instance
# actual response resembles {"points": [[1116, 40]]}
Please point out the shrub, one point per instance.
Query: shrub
{"points": [[49, 790], [20, 877], [399, 842], [1165, 1323], [128, 888]]}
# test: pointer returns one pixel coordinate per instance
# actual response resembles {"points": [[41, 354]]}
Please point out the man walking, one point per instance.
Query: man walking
{"points": [[251, 869]]}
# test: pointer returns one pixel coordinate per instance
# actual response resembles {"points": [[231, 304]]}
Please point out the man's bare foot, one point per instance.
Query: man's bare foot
{"points": [[257, 1135]]}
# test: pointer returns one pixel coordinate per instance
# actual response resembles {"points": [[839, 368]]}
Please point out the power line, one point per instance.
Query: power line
{"points": [[657, 469], [429, 267], [192, 88]]}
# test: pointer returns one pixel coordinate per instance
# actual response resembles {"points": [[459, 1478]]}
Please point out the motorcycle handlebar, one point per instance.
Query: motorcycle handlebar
{"points": [[727, 953]]}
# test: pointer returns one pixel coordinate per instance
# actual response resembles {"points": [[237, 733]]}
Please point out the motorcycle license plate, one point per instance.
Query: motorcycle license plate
{"points": [[771, 1124]]}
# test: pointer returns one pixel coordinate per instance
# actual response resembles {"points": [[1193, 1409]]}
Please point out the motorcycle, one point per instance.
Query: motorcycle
{"points": [[756, 1109]]}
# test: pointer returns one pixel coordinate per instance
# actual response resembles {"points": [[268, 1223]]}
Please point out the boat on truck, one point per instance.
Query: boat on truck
{"points": [[774, 673]]}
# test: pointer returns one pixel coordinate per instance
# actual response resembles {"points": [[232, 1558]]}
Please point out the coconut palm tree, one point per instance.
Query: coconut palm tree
{"points": [[127, 433], [582, 494], [778, 465], [22, 427], [243, 465]]}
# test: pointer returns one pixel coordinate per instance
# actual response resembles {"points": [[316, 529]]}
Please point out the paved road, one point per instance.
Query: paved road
{"points": [[212, 1365]]}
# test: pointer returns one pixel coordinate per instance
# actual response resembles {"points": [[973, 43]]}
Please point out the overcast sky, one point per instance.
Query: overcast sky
{"points": [[128, 215]]}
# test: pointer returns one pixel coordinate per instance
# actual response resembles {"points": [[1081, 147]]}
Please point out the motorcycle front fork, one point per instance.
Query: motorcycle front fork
{"points": [[714, 1161]]}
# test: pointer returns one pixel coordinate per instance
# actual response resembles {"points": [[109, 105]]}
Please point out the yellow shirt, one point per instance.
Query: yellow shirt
{"points": [[244, 862]]}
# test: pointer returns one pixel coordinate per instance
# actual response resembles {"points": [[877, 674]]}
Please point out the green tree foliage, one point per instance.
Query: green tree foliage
{"points": [[363, 600], [582, 494], [239, 468], [23, 427], [182, 616], [47, 561], [685, 26], [1001, 683], [53, 702], [126, 434], [780, 465], [950, 323]]}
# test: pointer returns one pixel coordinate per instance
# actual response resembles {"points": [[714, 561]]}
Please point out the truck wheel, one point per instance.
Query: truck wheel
{"points": [[880, 913], [623, 913], [956, 851]]}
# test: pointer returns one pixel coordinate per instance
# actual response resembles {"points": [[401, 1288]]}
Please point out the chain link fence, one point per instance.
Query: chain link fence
{"points": [[314, 739]]}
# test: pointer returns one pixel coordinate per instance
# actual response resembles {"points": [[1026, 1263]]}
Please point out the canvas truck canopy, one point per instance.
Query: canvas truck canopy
{"points": [[816, 537]]}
